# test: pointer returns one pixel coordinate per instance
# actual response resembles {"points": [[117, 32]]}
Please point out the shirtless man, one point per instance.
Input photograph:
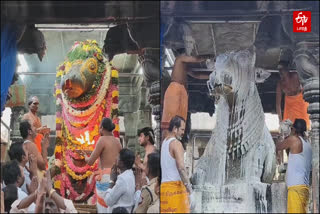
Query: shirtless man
{"points": [[176, 96], [295, 106], [146, 139], [107, 149], [174, 174], [28, 133], [33, 104]]}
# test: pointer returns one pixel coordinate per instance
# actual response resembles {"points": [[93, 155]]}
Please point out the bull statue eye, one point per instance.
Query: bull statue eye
{"points": [[92, 65]]}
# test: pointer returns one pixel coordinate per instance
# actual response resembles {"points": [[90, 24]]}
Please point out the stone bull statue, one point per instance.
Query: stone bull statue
{"points": [[239, 159]]}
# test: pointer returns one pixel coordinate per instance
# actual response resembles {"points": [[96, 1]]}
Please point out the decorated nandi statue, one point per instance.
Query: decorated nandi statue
{"points": [[239, 159], [86, 91]]}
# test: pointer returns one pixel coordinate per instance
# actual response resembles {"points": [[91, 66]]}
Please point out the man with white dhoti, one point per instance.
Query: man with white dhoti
{"points": [[107, 149]]}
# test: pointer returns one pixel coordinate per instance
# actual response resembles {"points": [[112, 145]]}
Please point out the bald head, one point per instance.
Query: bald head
{"points": [[33, 103]]}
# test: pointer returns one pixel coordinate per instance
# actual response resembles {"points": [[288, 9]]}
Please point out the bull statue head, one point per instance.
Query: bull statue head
{"points": [[83, 66], [232, 72]]}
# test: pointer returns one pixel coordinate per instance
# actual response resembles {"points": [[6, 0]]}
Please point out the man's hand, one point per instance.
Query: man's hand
{"points": [[42, 186], [137, 161], [33, 185], [84, 154], [192, 201], [41, 196], [49, 182], [189, 187]]}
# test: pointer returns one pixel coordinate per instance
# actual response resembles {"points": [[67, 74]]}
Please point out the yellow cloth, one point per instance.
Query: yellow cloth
{"points": [[298, 198], [174, 198], [295, 107], [175, 103]]}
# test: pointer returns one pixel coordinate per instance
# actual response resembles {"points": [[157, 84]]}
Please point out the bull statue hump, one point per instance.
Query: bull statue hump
{"points": [[239, 159]]}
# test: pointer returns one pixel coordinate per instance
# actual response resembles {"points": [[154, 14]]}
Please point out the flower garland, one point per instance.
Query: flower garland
{"points": [[78, 120], [79, 170], [63, 181]]}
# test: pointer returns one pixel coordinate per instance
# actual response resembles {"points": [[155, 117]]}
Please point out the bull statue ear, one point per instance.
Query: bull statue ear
{"points": [[261, 75]]}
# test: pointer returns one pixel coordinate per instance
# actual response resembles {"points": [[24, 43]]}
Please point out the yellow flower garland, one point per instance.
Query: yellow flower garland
{"points": [[77, 177], [57, 184], [114, 73], [115, 93]]}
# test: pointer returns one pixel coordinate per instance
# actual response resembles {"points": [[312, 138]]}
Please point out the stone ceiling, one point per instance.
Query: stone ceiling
{"points": [[218, 27]]}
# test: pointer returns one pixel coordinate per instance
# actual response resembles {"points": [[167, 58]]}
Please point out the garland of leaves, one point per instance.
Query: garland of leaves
{"points": [[75, 117]]}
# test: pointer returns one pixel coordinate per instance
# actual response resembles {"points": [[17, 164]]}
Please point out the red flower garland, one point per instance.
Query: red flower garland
{"points": [[76, 169], [107, 108], [64, 179]]}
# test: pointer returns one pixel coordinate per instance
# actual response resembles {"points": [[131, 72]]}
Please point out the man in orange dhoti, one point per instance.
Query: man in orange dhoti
{"points": [[176, 96], [33, 104], [294, 107]]}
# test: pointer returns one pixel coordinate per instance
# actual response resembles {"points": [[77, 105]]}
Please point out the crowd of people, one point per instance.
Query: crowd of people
{"points": [[124, 182]]}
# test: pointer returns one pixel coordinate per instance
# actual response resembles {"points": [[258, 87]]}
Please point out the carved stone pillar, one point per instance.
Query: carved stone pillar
{"points": [[306, 58], [136, 120], [131, 124], [154, 99], [17, 113], [150, 62]]}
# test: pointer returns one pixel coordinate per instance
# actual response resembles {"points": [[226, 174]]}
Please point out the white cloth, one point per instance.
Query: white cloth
{"points": [[299, 166], [22, 195], [137, 199], [169, 171], [27, 180], [101, 188], [122, 194]]}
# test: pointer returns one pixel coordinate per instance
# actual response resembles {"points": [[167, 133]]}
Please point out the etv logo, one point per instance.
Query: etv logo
{"points": [[301, 21]]}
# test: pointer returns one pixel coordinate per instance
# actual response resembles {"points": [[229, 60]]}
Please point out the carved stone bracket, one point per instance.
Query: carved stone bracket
{"points": [[306, 58], [150, 63]]}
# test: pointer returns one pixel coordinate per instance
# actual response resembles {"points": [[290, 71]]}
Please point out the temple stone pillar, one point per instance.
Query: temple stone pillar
{"points": [[154, 99], [130, 125], [137, 114], [16, 115], [306, 58], [151, 73]]}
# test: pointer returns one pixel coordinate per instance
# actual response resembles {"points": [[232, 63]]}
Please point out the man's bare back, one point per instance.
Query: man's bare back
{"points": [[107, 148], [110, 151], [290, 84], [149, 150]]}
